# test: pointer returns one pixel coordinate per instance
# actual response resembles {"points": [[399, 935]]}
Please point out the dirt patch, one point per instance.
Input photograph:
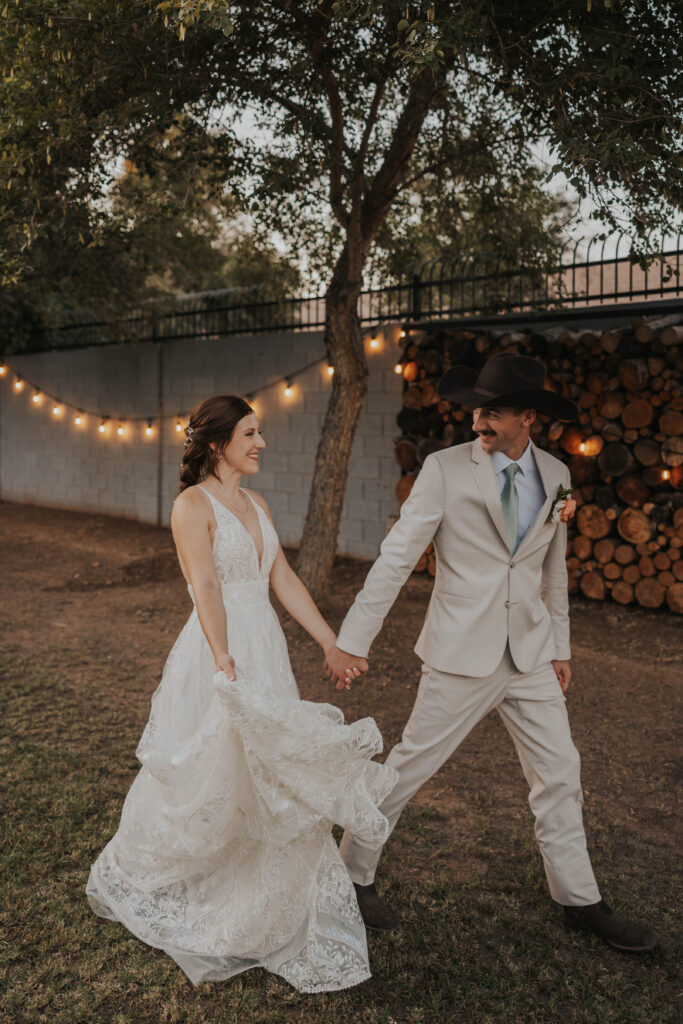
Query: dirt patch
{"points": [[110, 592], [158, 568], [90, 607]]}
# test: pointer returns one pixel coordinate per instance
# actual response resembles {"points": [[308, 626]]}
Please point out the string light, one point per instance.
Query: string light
{"points": [[80, 418], [398, 369]]}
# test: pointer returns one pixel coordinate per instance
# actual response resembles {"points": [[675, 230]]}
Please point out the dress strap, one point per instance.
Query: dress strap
{"points": [[209, 495], [214, 503]]}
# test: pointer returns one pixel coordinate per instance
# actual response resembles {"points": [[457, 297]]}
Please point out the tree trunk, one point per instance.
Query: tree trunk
{"points": [[344, 342], [367, 211]]}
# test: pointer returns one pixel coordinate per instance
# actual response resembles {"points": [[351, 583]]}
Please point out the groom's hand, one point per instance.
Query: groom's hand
{"points": [[342, 667], [563, 673]]}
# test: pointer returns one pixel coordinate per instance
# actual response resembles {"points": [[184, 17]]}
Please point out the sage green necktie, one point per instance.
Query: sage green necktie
{"points": [[510, 502]]}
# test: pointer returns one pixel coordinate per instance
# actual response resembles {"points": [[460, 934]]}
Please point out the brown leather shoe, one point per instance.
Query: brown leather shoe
{"points": [[617, 931], [374, 913]]}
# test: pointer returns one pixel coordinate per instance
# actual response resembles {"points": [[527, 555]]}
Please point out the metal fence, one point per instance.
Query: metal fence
{"points": [[438, 290]]}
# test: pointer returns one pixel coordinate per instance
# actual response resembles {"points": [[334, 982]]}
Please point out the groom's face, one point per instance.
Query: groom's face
{"points": [[503, 430]]}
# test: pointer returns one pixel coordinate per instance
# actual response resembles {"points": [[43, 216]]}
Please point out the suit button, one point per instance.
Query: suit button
{"points": [[507, 604], [512, 565]]}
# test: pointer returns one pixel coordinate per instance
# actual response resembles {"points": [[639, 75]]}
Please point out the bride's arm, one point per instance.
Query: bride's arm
{"points": [[190, 522], [294, 596]]}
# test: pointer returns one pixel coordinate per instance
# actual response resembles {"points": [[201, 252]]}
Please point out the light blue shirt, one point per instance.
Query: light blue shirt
{"points": [[528, 483]]}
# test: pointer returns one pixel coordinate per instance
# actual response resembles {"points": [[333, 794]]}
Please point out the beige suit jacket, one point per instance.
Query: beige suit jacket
{"points": [[483, 595]]}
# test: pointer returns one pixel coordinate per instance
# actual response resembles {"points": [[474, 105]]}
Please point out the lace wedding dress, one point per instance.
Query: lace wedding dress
{"points": [[224, 856]]}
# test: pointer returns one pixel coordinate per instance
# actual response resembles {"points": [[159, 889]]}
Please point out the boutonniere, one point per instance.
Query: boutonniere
{"points": [[563, 507]]}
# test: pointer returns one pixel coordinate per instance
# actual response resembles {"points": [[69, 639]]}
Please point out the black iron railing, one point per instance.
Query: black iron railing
{"points": [[438, 290]]}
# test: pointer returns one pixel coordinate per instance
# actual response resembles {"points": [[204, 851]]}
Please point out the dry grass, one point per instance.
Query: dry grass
{"points": [[481, 941]]}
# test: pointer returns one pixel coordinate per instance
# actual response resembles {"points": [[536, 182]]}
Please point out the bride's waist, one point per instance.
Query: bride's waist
{"points": [[243, 592]]}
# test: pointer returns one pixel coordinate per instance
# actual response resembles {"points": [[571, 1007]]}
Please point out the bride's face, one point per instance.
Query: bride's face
{"points": [[242, 453]]}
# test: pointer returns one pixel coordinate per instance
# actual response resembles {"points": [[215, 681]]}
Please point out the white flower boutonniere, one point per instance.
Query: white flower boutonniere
{"points": [[563, 507]]}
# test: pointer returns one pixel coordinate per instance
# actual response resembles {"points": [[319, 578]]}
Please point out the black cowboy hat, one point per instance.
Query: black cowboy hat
{"points": [[506, 379]]}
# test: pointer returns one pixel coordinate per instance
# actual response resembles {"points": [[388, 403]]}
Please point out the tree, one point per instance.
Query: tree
{"points": [[350, 121], [165, 226], [352, 106]]}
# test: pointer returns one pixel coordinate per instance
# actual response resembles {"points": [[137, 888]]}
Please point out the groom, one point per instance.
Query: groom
{"points": [[496, 633]]}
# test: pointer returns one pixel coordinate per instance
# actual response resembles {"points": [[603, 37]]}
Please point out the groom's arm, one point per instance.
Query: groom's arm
{"points": [[419, 520]]}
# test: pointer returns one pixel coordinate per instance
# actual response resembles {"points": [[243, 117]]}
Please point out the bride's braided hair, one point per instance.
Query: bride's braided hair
{"points": [[213, 420]]}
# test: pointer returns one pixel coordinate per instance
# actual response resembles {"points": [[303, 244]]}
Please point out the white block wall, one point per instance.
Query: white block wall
{"points": [[45, 459]]}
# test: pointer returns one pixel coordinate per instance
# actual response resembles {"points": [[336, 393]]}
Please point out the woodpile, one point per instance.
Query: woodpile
{"points": [[625, 451]]}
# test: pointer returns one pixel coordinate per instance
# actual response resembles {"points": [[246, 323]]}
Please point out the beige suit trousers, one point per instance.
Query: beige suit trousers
{"points": [[533, 710]]}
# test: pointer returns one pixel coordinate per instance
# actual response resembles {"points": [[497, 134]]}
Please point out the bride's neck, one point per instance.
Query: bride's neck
{"points": [[229, 483]]}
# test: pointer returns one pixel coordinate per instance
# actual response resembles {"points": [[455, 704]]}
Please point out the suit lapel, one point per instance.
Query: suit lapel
{"points": [[482, 468], [550, 484]]}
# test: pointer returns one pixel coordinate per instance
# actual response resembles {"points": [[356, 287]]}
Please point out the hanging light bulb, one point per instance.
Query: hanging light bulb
{"points": [[374, 344], [120, 430], [57, 410], [149, 430], [289, 388], [582, 447], [18, 385], [666, 474], [37, 398], [398, 369], [3, 370], [330, 371], [178, 426], [102, 427], [402, 334], [79, 419]]}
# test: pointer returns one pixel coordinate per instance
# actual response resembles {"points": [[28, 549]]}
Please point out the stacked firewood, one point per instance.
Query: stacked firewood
{"points": [[625, 451]]}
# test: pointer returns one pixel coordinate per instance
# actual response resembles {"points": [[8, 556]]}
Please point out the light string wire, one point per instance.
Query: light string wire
{"points": [[286, 379]]}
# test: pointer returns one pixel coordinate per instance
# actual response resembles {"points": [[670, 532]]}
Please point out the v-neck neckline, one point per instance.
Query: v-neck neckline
{"points": [[259, 558]]}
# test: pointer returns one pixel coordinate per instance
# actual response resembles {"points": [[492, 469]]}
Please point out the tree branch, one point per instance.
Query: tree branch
{"points": [[315, 44], [372, 118], [381, 194]]}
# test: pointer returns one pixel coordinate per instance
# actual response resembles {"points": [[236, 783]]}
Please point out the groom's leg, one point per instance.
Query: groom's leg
{"points": [[447, 708], [535, 715]]}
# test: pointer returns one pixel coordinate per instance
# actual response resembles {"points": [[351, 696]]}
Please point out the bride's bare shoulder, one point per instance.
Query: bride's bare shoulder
{"points": [[190, 504]]}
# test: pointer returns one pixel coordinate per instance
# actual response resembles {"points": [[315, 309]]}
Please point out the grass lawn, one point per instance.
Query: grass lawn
{"points": [[481, 941]]}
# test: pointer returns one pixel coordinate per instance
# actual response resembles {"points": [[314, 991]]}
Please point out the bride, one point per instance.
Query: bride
{"points": [[224, 856]]}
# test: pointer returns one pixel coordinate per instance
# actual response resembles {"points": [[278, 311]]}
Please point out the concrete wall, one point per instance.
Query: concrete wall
{"points": [[47, 459]]}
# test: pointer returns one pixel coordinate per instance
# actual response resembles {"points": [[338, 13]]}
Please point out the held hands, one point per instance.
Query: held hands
{"points": [[563, 673], [342, 668], [226, 664]]}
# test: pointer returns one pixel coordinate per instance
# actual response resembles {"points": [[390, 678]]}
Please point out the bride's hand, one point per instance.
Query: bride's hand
{"points": [[226, 664]]}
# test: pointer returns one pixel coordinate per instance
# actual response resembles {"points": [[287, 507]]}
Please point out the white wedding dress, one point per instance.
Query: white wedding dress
{"points": [[224, 856]]}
